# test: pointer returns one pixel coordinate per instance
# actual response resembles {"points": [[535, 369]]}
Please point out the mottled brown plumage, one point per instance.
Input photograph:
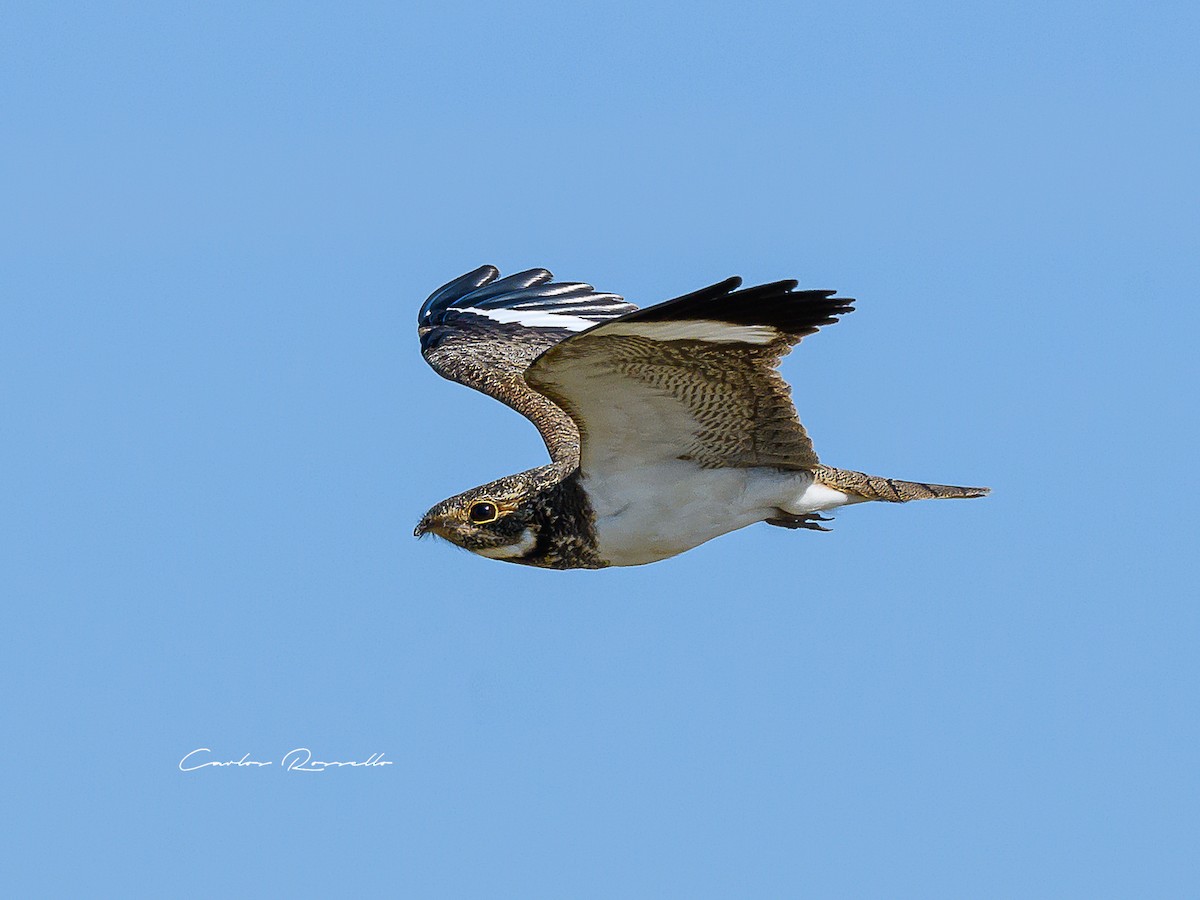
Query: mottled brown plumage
{"points": [[742, 408], [890, 490], [493, 361]]}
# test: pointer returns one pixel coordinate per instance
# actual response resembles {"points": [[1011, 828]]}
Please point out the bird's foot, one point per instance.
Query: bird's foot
{"points": [[811, 521]]}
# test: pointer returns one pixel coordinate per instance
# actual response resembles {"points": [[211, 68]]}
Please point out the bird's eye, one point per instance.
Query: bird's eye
{"points": [[482, 513]]}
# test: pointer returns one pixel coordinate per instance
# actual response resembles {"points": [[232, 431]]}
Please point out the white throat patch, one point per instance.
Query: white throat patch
{"points": [[510, 551]]}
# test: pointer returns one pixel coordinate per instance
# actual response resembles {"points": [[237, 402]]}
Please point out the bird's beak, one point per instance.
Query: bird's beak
{"points": [[430, 525]]}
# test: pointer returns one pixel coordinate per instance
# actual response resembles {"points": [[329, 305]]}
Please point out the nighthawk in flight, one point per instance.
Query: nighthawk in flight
{"points": [[667, 426]]}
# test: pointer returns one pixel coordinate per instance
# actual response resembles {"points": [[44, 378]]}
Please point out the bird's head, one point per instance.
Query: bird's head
{"points": [[496, 520]]}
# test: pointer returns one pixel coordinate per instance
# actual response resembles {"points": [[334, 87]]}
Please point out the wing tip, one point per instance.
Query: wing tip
{"points": [[455, 288], [775, 303], [530, 298]]}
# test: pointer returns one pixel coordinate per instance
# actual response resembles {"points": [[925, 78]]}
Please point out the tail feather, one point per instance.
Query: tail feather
{"points": [[891, 490]]}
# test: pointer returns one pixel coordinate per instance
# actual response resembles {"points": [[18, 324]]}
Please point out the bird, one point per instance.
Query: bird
{"points": [[667, 425]]}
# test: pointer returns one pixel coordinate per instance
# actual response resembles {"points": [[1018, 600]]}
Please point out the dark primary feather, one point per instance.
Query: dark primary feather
{"points": [[531, 290], [454, 290], [798, 313]]}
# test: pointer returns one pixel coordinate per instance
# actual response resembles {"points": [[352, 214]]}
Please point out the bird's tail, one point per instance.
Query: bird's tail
{"points": [[891, 490]]}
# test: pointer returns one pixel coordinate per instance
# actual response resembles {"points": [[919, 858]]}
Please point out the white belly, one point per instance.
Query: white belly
{"points": [[653, 512]]}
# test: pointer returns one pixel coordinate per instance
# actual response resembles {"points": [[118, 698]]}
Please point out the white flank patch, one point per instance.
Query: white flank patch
{"points": [[818, 497], [696, 330], [653, 512], [533, 318], [520, 548]]}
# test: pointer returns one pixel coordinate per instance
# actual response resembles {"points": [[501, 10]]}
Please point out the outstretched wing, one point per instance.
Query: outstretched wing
{"points": [[483, 331], [692, 378]]}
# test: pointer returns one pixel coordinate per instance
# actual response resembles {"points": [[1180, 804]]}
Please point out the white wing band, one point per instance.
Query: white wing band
{"points": [[532, 318], [695, 330]]}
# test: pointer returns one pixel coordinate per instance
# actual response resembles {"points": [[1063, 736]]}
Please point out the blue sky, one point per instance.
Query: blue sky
{"points": [[218, 225]]}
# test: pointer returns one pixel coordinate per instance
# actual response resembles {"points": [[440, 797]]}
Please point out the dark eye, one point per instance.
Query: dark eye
{"points": [[482, 513]]}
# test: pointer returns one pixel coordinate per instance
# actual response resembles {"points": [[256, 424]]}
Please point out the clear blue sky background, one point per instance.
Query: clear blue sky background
{"points": [[218, 433]]}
